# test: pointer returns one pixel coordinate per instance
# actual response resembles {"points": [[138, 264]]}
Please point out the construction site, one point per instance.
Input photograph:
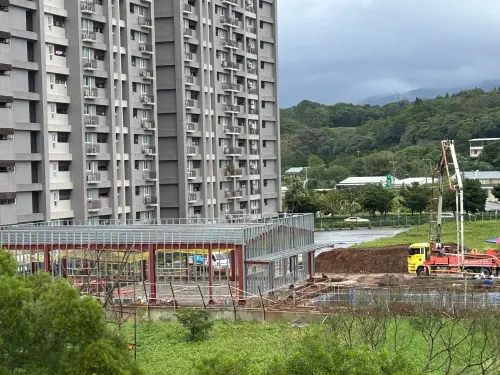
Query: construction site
{"points": [[242, 262]]}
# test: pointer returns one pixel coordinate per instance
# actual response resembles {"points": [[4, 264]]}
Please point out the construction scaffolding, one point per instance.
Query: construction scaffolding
{"points": [[168, 263]]}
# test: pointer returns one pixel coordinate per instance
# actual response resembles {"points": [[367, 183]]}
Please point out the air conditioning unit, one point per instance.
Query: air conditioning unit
{"points": [[86, 93], [145, 73], [224, 63], [93, 150], [147, 125], [142, 48], [91, 178], [147, 199], [148, 151]]}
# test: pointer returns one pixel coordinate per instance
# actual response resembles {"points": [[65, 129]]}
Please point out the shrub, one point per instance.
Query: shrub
{"points": [[197, 322]]}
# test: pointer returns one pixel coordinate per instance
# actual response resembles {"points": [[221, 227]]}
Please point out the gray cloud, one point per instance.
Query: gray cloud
{"points": [[347, 50]]}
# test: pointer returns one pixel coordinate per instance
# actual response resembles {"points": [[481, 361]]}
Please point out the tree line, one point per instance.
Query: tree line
{"points": [[362, 140], [375, 198]]}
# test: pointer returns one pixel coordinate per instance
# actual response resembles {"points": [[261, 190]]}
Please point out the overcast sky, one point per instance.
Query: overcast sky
{"points": [[347, 50]]}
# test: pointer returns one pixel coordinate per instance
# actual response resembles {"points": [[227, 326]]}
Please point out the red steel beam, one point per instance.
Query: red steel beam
{"points": [[241, 279], [152, 273], [210, 276], [46, 257]]}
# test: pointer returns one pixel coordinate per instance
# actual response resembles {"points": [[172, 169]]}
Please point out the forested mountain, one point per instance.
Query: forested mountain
{"points": [[428, 93], [363, 140]]}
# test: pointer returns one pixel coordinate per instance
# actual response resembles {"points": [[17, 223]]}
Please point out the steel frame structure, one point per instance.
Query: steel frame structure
{"points": [[155, 261]]}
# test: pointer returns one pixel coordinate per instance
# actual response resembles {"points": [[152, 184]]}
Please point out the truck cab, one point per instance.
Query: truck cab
{"points": [[418, 253]]}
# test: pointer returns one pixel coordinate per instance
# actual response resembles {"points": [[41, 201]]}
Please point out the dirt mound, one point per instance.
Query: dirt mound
{"points": [[388, 259]]}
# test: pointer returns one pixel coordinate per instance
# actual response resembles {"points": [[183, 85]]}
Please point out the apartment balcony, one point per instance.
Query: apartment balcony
{"points": [[191, 151], [89, 93], [188, 56], [254, 151], [93, 177], [231, 44], [255, 192], [150, 176], [232, 108], [229, 21], [92, 149], [233, 130], [235, 194], [229, 65], [145, 48], [89, 64], [252, 29], [250, 8], [190, 104], [253, 111], [87, 7], [254, 172], [91, 121], [192, 197], [234, 87], [148, 124], [186, 8], [147, 99], [94, 205], [89, 36], [252, 50], [146, 73], [188, 33], [233, 151], [192, 174], [151, 200], [253, 91], [253, 131], [233, 172], [190, 127], [145, 22], [252, 71], [189, 80], [149, 150]]}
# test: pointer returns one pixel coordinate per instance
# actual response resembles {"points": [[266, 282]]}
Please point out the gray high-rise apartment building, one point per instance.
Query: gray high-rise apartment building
{"points": [[77, 110], [218, 113]]}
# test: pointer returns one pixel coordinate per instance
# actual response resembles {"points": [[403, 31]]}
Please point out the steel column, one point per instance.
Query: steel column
{"points": [[241, 274], [46, 258], [152, 274]]}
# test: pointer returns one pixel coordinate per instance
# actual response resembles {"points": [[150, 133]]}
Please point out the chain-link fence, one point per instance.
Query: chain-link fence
{"points": [[407, 220]]}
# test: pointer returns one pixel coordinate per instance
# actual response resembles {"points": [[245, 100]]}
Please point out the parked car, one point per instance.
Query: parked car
{"points": [[220, 262], [356, 219], [447, 215]]}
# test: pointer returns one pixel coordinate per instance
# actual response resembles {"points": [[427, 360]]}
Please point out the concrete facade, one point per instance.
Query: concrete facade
{"points": [[218, 112], [77, 110]]}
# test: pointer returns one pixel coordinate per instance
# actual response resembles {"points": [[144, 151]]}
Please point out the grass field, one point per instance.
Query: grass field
{"points": [[162, 349], [476, 233]]}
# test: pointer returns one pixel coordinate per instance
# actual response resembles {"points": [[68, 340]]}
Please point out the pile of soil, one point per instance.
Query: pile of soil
{"points": [[387, 259]]}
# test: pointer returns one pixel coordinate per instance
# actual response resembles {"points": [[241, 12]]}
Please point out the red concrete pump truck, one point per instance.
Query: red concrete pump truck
{"points": [[433, 258]]}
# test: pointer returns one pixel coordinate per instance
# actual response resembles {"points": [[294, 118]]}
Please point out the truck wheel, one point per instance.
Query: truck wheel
{"points": [[468, 272], [486, 272], [422, 272]]}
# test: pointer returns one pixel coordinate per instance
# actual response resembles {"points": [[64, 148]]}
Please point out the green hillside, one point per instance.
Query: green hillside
{"points": [[362, 140]]}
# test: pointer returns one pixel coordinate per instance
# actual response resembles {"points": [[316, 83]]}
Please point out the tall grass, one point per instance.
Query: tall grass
{"points": [[475, 234]]}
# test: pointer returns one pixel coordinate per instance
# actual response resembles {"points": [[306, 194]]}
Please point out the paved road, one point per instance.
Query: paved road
{"points": [[346, 238]]}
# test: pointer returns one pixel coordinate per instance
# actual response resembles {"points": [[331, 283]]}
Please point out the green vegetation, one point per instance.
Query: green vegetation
{"points": [[475, 234], [197, 322], [398, 340], [340, 140], [375, 198], [46, 327]]}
